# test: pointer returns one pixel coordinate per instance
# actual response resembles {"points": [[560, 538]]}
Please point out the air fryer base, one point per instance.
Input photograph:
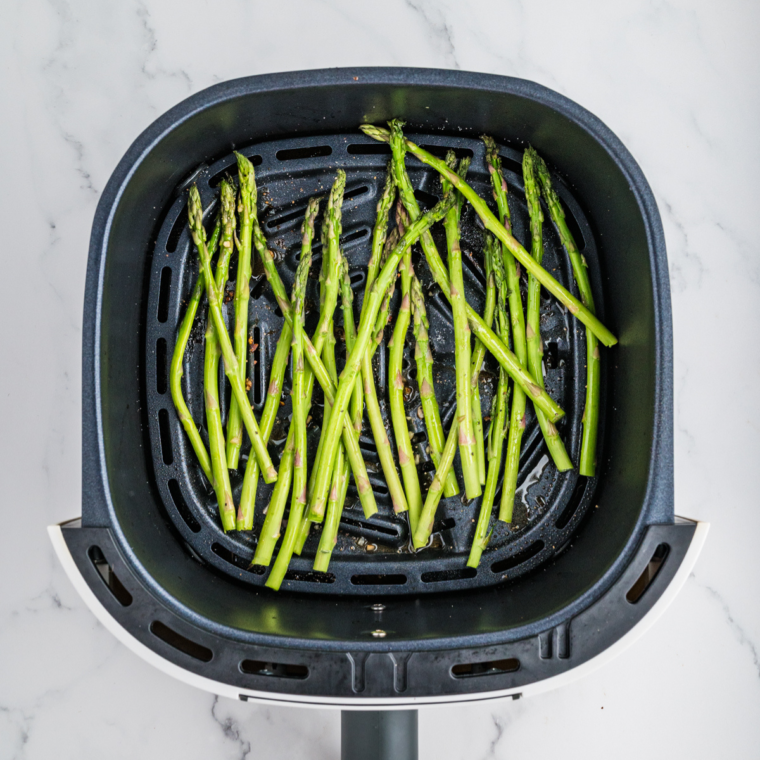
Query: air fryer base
{"points": [[397, 678]]}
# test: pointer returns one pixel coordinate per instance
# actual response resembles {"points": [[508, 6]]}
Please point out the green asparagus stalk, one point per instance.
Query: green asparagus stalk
{"points": [[349, 329], [427, 391], [328, 355], [374, 414], [274, 391], [177, 370], [462, 342], [385, 308], [332, 273], [300, 478], [212, 353], [479, 328], [329, 536], [313, 352], [424, 359], [396, 395], [380, 231], [247, 208], [567, 299], [535, 348], [478, 356], [499, 410], [424, 528], [270, 530], [370, 311], [329, 278], [222, 484], [230, 362], [496, 432], [517, 319], [587, 464]]}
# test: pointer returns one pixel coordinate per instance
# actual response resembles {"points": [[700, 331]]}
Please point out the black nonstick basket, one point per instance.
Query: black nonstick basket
{"points": [[585, 560]]}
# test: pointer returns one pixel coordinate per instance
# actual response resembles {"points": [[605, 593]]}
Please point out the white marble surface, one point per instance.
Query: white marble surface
{"points": [[678, 81]]}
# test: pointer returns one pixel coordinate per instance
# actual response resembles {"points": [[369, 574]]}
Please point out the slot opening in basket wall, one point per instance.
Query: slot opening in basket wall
{"points": [[111, 580], [489, 668], [645, 580], [180, 643], [274, 669]]}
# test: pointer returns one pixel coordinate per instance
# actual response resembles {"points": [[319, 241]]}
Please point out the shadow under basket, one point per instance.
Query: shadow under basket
{"points": [[586, 560]]}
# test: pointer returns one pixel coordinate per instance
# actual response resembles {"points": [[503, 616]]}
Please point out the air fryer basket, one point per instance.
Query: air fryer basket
{"points": [[553, 592], [371, 555]]}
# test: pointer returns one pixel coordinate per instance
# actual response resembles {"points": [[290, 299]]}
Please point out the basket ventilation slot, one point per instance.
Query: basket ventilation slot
{"points": [[164, 291], [651, 571], [518, 559], [236, 559], [231, 170], [274, 669], [378, 580], [161, 379], [490, 668], [573, 504], [182, 508], [439, 576], [113, 584], [177, 229], [166, 436], [292, 154], [441, 150], [180, 643], [510, 165], [369, 149]]}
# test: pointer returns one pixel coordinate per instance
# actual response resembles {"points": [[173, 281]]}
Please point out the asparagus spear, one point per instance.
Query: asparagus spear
{"points": [[491, 223], [499, 416], [424, 528], [222, 484], [230, 362], [370, 310], [406, 194], [396, 490], [533, 311], [247, 208], [478, 356], [300, 479], [177, 370], [313, 351], [332, 273], [274, 392], [329, 536], [270, 530], [478, 326], [273, 521], [329, 278], [332, 518], [385, 308], [380, 231], [349, 330], [517, 319], [587, 464], [396, 395], [424, 359], [462, 342]]}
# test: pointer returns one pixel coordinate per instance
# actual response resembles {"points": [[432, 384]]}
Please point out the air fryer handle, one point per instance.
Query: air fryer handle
{"points": [[378, 735]]}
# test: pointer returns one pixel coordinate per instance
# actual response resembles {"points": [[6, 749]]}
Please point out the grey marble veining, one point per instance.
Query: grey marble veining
{"points": [[678, 81]]}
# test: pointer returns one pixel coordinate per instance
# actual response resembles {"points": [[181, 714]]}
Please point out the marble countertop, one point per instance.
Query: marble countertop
{"points": [[677, 81]]}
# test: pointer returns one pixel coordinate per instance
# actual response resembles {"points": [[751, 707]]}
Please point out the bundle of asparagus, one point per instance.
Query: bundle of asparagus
{"points": [[319, 497]]}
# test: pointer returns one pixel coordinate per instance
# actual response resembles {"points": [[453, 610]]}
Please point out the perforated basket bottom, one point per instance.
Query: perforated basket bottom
{"points": [[371, 556]]}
